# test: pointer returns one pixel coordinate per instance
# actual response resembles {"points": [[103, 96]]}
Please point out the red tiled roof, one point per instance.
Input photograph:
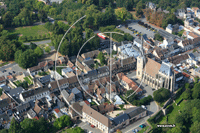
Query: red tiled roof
{"points": [[185, 74], [87, 102], [36, 118], [57, 110]]}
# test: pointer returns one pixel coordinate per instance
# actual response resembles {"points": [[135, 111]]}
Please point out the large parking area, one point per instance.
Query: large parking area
{"points": [[138, 28]]}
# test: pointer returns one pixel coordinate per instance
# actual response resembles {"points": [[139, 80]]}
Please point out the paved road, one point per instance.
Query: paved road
{"points": [[134, 125], [39, 42]]}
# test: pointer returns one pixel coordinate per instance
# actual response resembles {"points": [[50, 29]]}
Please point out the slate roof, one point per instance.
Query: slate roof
{"points": [[36, 91], [166, 69], [23, 107], [178, 58], [132, 112], [121, 118]]}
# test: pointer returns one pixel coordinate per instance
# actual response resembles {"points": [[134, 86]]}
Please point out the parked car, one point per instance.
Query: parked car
{"points": [[136, 130], [90, 132], [129, 28], [92, 126], [142, 126], [119, 26], [143, 107], [133, 131], [74, 126]]}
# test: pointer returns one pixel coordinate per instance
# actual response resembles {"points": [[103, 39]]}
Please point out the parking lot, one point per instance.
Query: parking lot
{"points": [[138, 28], [86, 127], [11, 69]]}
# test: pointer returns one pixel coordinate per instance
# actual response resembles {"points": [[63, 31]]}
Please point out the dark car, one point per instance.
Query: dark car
{"points": [[13, 71]]}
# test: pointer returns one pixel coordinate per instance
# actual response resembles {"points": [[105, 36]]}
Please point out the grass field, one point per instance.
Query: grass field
{"points": [[17, 82], [30, 30], [27, 79]]}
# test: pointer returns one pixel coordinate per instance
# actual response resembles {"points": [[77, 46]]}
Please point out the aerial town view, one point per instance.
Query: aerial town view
{"points": [[99, 66]]}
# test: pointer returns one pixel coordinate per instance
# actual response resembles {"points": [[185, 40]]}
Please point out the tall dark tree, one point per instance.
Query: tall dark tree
{"points": [[14, 126]]}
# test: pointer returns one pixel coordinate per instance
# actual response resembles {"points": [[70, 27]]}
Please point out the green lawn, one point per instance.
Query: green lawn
{"points": [[30, 30], [144, 129], [17, 82], [30, 77], [28, 80]]}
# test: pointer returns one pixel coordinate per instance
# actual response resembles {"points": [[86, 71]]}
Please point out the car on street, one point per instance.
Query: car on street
{"points": [[153, 89], [90, 132], [129, 28]]}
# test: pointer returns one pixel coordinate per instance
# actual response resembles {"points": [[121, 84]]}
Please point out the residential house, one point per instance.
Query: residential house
{"points": [[57, 113], [42, 66], [135, 113], [97, 119], [31, 114], [2, 79], [75, 111], [37, 93], [22, 108], [192, 35], [151, 6], [189, 44], [103, 108], [7, 104], [45, 80], [91, 54], [181, 12], [172, 28], [128, 83], [188, 22], [63, 83], [178, 59], [121, 121]]}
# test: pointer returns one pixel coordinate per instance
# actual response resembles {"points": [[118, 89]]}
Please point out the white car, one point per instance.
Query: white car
{"points": [[143, 107], [119, 26], [90, 132]]}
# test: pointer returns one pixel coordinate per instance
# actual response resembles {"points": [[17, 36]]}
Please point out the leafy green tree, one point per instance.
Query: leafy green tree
{"points": [[7, 51], [195, 128], [47, 49], [14, 126], [28, 125], [28, 59], [139, 8], [161, 95], [4, 131], [158, 37], [186, 94], [7, 19], [42, 15], [32, 46], [39, 51], [18, 55], [121, 13], [102, 58], [63, 121]]}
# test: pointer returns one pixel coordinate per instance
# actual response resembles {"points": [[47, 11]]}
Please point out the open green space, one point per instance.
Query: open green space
{"points": [[28, 80], [30, 30], [17, 82]]}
